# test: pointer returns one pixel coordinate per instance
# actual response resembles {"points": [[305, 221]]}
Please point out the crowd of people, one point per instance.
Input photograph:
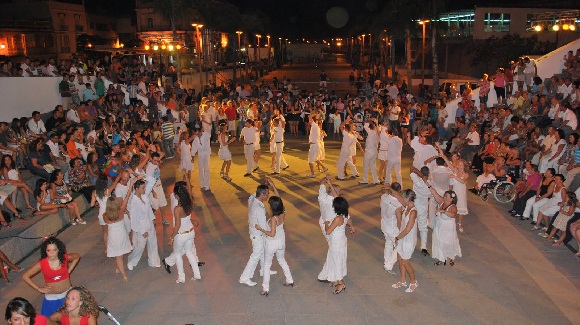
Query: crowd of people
{"points": [[111, 151]]}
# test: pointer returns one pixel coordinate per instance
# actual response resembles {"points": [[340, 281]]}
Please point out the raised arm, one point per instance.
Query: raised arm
{"points": [[269, 182]]}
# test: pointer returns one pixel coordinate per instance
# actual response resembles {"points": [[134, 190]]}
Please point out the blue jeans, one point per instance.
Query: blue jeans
{"points": [[168, 147]]}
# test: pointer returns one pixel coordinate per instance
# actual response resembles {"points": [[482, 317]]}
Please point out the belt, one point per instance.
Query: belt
{"points": [[186, 232], [312, 142], [279, 141], [248, 144]]}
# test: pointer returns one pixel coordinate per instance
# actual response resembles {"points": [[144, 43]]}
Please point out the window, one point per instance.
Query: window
{"points": [[150, 22], [496, 22], [64, 44], [529, 22]]}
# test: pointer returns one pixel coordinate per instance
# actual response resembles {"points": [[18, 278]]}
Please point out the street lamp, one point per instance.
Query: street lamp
{"points": [[258, 36], [200, 51], [423, 23], [268, 37]]}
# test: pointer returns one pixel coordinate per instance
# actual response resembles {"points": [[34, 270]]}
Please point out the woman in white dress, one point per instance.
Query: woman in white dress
{"points": [[458, 182], [550, 208], [445, 240], [101, 195], [224, 151], [275, 242], [337, 244], [118, 243], [182, 238], [184, 151], [406, 241]]}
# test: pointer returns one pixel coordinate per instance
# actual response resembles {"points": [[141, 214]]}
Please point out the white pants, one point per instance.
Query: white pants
{"points": [[533, 207], [370, 161], [280, 161], [545, 164], [345, 158], [232, 126], [249, 154], [422, 206], [184, 244], [396, 165], [203, 167], [390, 253], [139, 243], [273, 247], [257, 256]]}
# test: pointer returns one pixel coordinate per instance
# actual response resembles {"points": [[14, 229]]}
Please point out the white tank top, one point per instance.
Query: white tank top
{"points": [[185, 224]]}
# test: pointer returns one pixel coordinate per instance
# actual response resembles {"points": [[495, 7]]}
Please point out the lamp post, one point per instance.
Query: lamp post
{"points": [[268, 37], [258, 36], [200, 52], [362, 49], [424, 24]]}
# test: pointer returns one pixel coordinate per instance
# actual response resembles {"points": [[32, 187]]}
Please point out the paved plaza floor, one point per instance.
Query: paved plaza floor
{"points": [[507, 274]]}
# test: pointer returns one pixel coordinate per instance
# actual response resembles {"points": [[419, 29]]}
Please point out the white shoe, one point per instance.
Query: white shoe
{"points": [[130, 267], [248, 282], [388, 271], [273, 272], [195, 279], [180, 281]]}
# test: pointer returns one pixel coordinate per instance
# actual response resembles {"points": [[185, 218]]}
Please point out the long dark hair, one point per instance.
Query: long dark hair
{"points": [[101, 185], [59, 245], [12, 164], [340, 206], [276, 205], [37, 190], [21, 307], [183, 198], [54, 175]]}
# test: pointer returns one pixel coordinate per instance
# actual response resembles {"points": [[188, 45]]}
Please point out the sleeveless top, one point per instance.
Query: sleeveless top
{"points": [[61, 190], [280, 235], [544, 188], [185, 224], [52, 276], [222, 144], [65, 320]]}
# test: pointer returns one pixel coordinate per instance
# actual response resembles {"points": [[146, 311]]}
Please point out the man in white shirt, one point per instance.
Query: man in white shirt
{"points": [[371, 151], [424, 153], [439, 176], [158, 200], [72, 114], [394, 111], [394, 150], [530, 71], [248, 136], [472, 141], [201, 146], [421, 187], [25, 66], [57, 158], [278, 138], [257, 216], [36, 126], [314, 151], [391, 216]]}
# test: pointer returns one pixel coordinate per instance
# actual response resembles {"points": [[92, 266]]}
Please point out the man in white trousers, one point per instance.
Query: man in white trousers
{"points": [[391, 216], [348, 139], [278, 137], [421, 187], [424, 152], [157, 196], [371, 151], [256, 216], [143, 228], [201, 146], [394, 149], [314, 151], [248, 136]]}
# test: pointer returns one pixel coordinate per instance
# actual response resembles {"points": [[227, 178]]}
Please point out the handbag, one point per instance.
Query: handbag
{"points": [[48, 168]]}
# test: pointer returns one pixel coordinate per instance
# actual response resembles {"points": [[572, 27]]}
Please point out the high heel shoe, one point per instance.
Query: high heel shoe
{"points": [[340, 288], [399, 285], [412, 287], [451, 262], [288, 284], [264, 293]]}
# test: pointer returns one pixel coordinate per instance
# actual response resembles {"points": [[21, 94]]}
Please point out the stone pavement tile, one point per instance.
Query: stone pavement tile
{"points": [[100, 280], [382, 320], [346, 304], [161, 302], [371, 285], [193, 304], [265, 319], [304, 304], [141, 317], [227, 303], [302, 319], [274, 304], [551, 319]]}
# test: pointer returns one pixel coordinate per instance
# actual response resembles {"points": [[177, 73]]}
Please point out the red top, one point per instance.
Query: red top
{"points": [[52, 276], [40, 320], [231, 113], [65, 320]]}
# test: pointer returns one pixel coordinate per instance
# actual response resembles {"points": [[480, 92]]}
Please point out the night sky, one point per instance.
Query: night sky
{"points": [[311, 19]]}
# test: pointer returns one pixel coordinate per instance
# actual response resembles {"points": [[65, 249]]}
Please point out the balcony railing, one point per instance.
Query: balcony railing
{"points": [[146, 28]]}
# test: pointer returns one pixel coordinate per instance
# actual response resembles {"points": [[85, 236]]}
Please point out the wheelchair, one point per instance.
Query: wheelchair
{"points": [[502, 189]]}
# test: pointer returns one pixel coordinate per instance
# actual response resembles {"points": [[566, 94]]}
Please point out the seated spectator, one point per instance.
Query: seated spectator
{"points": [[544, 194], [570, 203], [11, 174], [61, 194], [547, 210], [526, 189], [36, 126], [549, 157], [44, 204], [38, 164], [79, 178], [485, 178]]}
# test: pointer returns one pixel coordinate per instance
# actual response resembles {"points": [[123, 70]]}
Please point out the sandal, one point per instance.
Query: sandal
{"points": [[460, 228], [441, 263], [5, 224], [451, 262], [412, 287], [399, 285], [340, 288]]}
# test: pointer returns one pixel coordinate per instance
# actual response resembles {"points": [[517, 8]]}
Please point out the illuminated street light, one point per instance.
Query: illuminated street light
{"points": [[423, 23]]}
